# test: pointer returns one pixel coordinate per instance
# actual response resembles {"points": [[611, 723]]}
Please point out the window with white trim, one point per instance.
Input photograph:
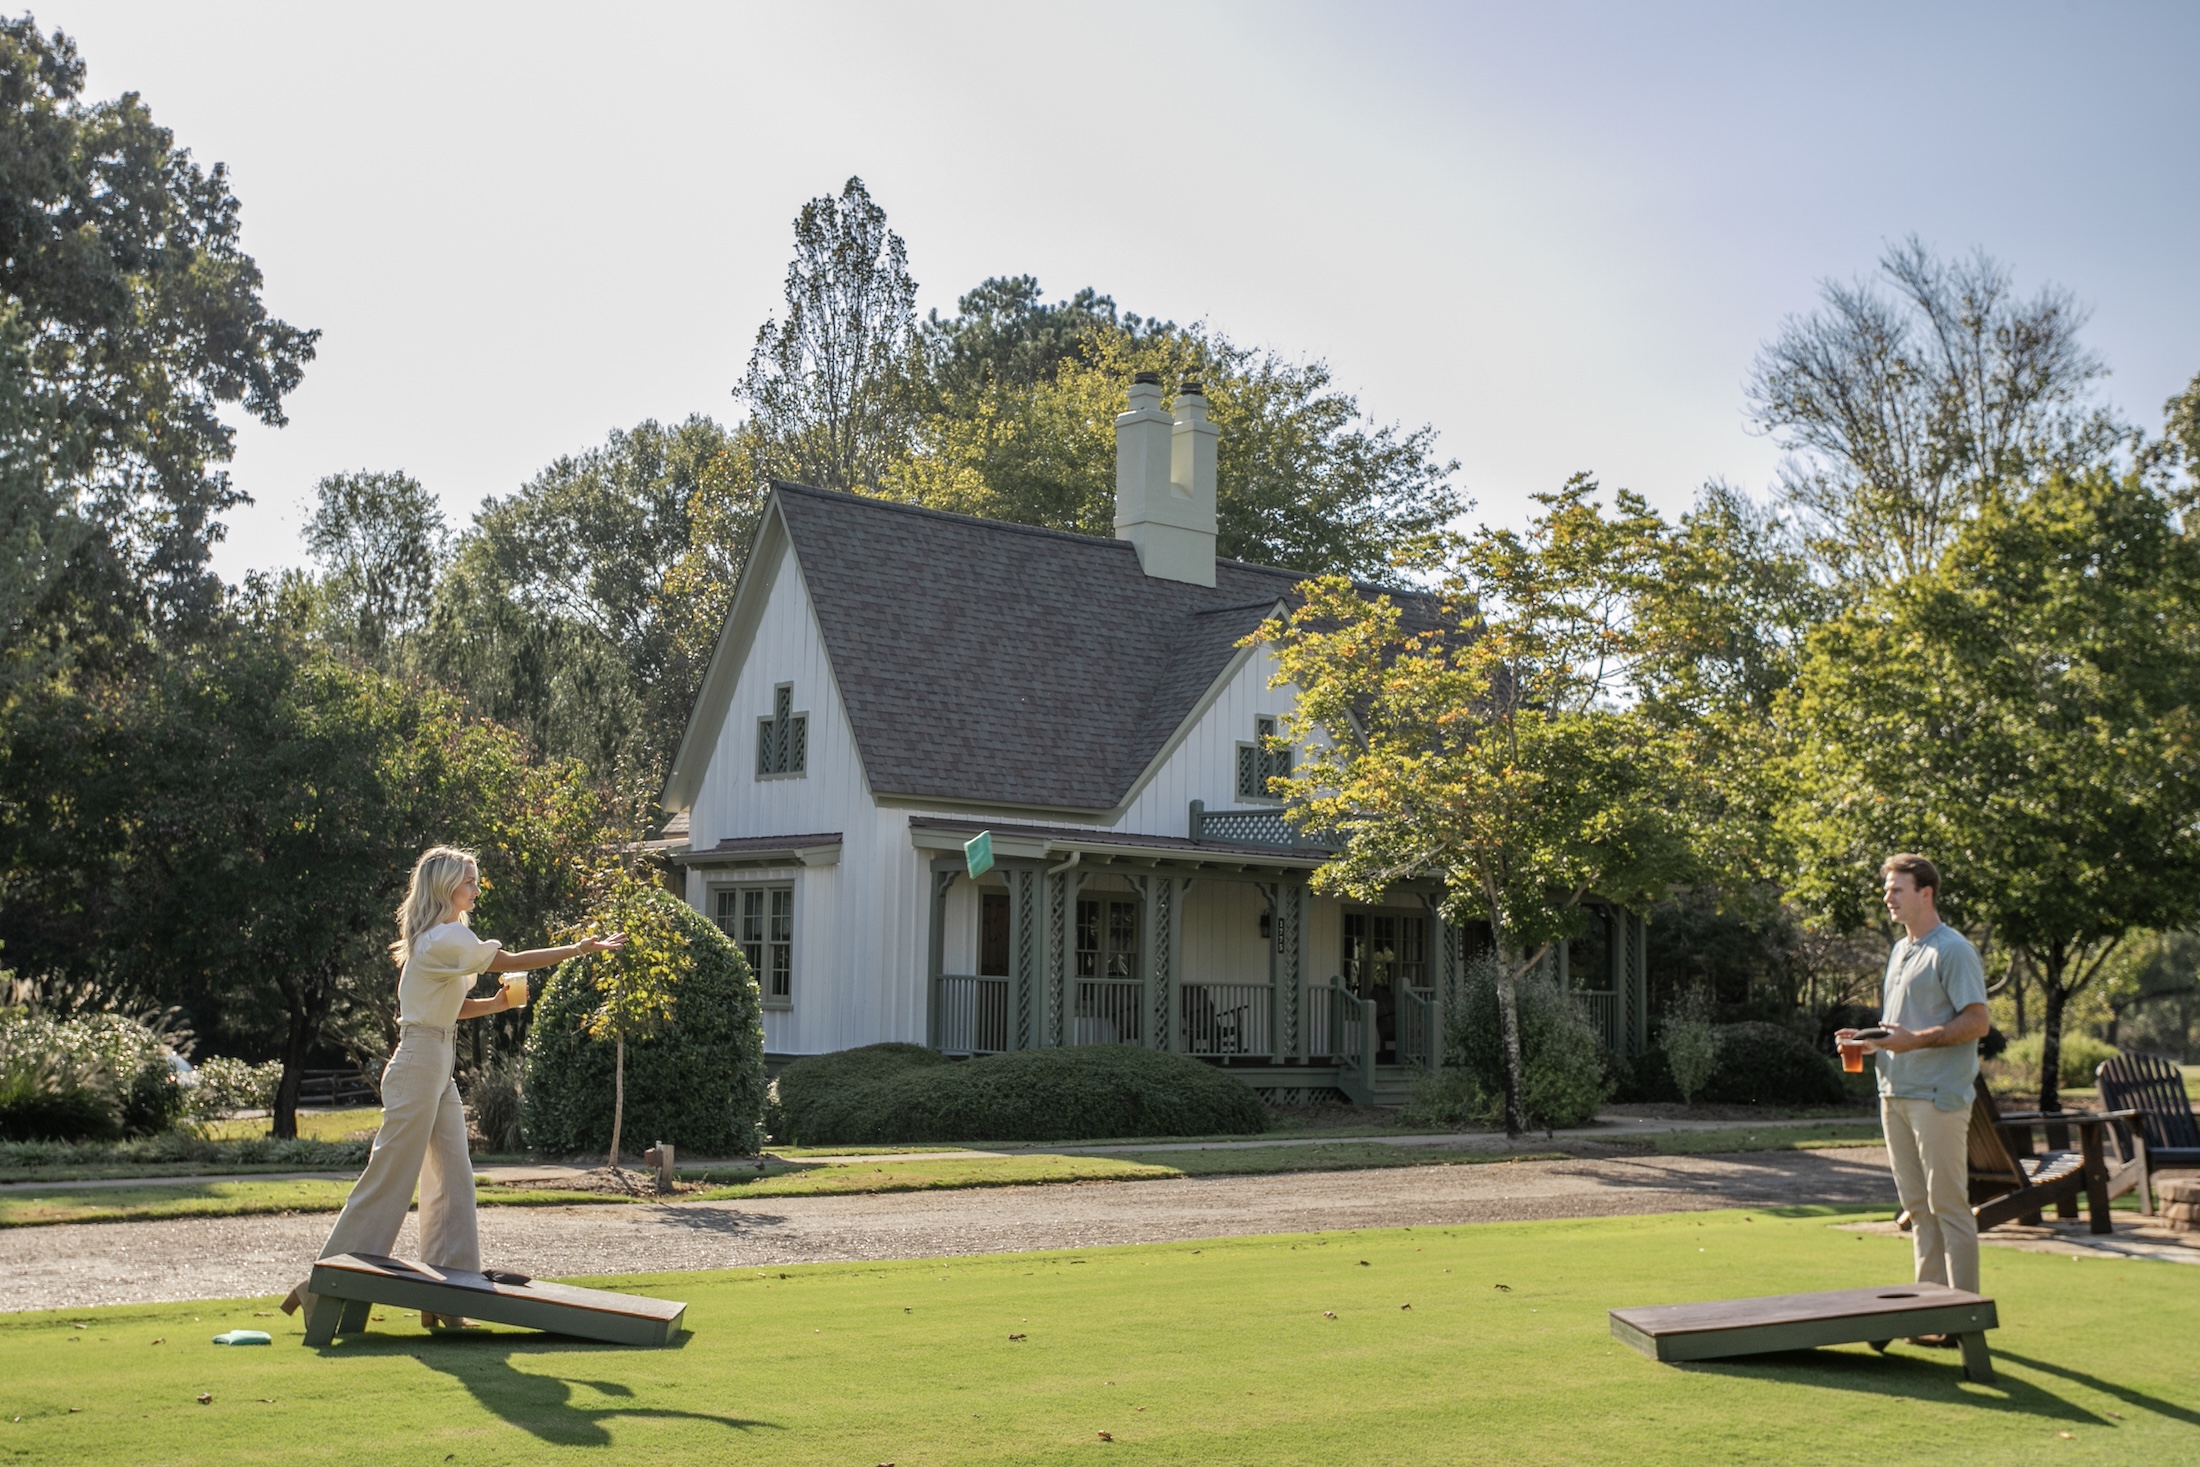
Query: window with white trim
{"points": [[760, 920], [1260, 761], [782, 740]]}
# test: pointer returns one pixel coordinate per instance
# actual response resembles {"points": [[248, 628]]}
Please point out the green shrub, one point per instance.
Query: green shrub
{"points": [[175, 1146], [1766, 1064], [1649, 1080], [895, 1093], [2081, 1056], [1563, 1068], [1690, 1043], [98, 1075], [224, 1085], [698, 1083]]}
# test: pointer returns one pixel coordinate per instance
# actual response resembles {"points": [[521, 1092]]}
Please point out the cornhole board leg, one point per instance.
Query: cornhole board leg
{"points": [[1729, 1327], [350, 1284]]}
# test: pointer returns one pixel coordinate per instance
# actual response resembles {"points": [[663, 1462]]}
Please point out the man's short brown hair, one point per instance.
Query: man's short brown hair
{"points": [[1923, 874]]}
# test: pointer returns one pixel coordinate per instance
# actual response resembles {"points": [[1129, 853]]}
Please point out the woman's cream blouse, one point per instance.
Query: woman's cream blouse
{"points": [[440, 973]]}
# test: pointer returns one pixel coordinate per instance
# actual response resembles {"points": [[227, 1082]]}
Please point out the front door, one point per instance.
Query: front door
{"points": [[1383, 952]]}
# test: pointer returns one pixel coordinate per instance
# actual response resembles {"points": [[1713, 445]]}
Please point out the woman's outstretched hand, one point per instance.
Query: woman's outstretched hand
{"points": [[610, 944]]}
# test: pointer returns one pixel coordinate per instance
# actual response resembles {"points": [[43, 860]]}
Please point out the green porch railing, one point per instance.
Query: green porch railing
{"points": [[1341, 1029], [971, 1014], [1418, 1036]]}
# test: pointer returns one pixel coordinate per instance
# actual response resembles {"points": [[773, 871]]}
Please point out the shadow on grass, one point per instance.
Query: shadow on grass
{"points": [[1910, 1377], [539, 1402]]}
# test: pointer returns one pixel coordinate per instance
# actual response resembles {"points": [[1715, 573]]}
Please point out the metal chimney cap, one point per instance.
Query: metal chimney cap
{"points": [[1191, 385], [1149, 378]]}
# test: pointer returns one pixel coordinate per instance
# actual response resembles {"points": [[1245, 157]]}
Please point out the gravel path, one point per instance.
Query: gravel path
{"points": [[120, 1263]]}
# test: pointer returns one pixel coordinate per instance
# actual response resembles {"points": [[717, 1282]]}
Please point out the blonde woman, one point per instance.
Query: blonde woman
{"points": [[423, 1135]]}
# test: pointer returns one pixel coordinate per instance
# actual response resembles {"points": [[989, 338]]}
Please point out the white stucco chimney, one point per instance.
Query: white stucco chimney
{"points": [[1165, 482]]}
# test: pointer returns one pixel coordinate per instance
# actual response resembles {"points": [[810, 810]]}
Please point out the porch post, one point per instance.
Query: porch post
{"points": [[1288, 966], [1168, 958], [935, 945], [1025, 944]]}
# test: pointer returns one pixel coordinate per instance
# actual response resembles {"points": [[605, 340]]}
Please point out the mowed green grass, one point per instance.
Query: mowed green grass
{"points": [[313, 1125], [1255, 1351]]}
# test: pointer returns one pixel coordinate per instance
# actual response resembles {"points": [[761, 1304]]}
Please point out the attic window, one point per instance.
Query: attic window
{"points": [[782, 740], [1260, 761]]}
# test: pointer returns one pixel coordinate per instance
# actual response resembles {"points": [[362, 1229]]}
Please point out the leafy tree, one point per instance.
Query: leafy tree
{"points": [[580, 609], [1483, 735], [378, 538], [2022, 711], [140, 315], [1906, 412], [828, 386], [233, 833], [1303, 480], [1004, 334], [638, 986]]}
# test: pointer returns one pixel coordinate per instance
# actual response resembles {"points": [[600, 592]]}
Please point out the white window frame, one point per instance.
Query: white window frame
{"points": [[733, 906], [1267, 763]]}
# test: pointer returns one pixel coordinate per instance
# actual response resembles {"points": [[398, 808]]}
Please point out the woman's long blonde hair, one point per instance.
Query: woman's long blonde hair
{"points": [[435, 879]]}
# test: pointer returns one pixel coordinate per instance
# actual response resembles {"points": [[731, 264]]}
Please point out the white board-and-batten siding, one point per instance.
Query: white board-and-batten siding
{"points": [[861, 926]]}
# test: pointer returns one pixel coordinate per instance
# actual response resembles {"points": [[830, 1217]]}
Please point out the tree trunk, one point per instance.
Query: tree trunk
{"points": [[618, 1094], [1508, 1018], [297, 1042], [2052, 999]]}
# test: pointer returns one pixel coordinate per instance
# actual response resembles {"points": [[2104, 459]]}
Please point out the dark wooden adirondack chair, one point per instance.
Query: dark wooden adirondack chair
{"points": [[2009, 1181], [2163, 1133]]}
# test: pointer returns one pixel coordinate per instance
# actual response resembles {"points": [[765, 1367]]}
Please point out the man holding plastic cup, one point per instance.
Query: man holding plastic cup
{"points": [[1932, 1015]]}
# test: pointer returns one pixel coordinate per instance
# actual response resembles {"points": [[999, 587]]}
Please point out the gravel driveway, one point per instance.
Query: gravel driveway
{"points": [[121, 1263]]}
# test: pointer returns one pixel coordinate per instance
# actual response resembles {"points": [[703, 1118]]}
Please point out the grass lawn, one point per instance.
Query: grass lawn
{"points": [[1255, 1350], [313, 1125]]}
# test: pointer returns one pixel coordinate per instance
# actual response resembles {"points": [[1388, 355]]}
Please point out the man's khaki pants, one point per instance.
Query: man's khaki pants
{"points": [[1930, 1149], [423, 1139]]}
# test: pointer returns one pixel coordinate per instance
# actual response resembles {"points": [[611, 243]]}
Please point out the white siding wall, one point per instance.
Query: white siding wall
{"points": [[1204, 765], [861, 939]]}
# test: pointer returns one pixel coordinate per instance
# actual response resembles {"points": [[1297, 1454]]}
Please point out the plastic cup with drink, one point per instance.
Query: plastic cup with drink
{"points": [[515, 989], [1853, 1049]]}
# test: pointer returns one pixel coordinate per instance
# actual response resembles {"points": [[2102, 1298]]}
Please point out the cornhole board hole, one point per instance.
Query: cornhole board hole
{"points": [[349, 1285], [1876, 1317]]}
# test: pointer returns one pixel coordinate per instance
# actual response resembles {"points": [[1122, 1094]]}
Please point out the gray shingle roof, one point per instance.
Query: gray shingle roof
{"points": [[986, 661]]}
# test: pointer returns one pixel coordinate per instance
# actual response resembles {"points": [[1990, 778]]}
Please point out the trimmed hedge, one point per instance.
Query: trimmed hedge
{"points": [[893, 1093], [699, 1084]]}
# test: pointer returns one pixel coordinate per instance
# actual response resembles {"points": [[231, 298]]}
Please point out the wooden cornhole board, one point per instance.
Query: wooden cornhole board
{"points": [[349, 1285], [1805, 1321]]}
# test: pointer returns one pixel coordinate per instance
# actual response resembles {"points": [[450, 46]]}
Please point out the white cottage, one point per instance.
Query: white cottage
{"points": [[893, 680]]}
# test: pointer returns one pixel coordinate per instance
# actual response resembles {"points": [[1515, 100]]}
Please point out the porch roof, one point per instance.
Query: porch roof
{"points": [[822, 849], [1056, 842]]}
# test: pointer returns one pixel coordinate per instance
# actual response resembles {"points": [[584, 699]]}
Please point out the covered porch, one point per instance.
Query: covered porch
{"points": [[1210, 945]]}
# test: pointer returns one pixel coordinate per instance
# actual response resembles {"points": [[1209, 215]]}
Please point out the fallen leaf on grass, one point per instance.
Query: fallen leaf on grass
{"points": [[2067, 1436], [270, 1400], [1365, 1264], [72, 1411], [1015, 1337], [1507, 1288], [1405, 1306], [2117, 1414], [1109, 1436], [206, 1398], [162, 1340], [1329, 1314]]}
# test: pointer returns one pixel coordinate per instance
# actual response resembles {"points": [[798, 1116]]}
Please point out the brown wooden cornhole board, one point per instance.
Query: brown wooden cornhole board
{"points": [[1875, 1317], [349, 1285]]}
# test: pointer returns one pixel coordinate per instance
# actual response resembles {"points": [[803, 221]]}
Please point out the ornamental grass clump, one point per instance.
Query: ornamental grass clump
{"points": [[893, 1093]]}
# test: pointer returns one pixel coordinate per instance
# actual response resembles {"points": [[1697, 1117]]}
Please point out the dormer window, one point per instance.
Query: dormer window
{"points": [[1260, 761], [782, 740]]}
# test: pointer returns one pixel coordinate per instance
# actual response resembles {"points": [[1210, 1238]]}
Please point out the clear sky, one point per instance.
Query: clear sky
{"points": [[1558, 232]]}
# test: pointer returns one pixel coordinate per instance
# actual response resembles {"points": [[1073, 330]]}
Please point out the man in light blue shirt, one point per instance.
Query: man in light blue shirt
{"points": [[1933, 1008]]}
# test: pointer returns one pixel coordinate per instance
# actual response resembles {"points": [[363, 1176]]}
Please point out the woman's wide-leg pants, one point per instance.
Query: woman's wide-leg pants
{"points": [[423, 1139]]}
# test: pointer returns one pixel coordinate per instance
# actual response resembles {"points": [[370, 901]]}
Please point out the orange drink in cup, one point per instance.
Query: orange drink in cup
{"points": [[1852, 1058], [515, 989]]}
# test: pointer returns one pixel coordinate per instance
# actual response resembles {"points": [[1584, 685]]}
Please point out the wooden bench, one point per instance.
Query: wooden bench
{"points": [[349, 1285], [1875, 1317]]}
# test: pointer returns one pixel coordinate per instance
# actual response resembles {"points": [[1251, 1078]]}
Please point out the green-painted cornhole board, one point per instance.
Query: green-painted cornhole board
{"points": [[349, 1285], [1875, 1317]]}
